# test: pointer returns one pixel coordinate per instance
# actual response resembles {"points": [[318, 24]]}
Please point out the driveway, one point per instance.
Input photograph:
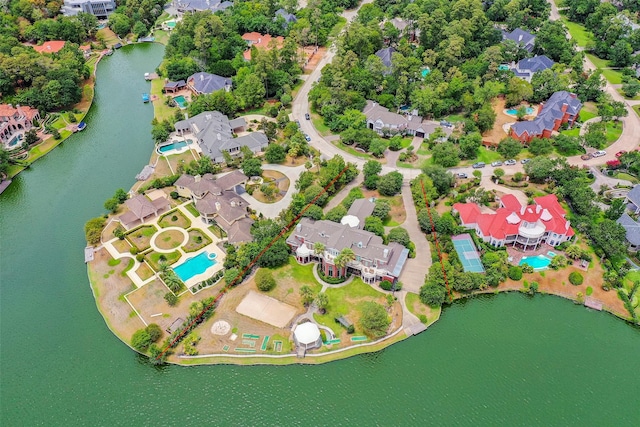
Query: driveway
{"points": [[412, 276], [602, 179], [271, 210]]}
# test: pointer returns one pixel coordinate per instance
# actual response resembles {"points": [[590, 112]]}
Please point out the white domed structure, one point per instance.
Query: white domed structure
{"points": [[307, 336], [350, 220]]}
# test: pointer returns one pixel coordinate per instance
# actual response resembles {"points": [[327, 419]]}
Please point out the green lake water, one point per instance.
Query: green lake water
{"points": [[497, 360]]}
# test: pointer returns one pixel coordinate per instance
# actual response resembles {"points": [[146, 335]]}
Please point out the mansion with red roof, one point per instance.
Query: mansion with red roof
{"points": [[517, 225]]}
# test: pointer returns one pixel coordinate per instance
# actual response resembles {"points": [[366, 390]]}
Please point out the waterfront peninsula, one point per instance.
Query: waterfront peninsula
{"points": [[257, 234]]}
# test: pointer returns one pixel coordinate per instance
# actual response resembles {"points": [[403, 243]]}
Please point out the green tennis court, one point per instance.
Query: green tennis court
{"points": [[467, 253], [264, 343]]}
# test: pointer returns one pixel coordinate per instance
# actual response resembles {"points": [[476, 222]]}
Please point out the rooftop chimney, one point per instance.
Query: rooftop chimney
{"points": [[217, 206], [385, 253]]}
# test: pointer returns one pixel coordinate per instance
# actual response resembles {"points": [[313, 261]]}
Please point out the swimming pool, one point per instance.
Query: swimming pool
{"points": [[195, 265], [181, 101], [14, 141], [514, 111], [175, 145], [537, 262], [171, 24]]}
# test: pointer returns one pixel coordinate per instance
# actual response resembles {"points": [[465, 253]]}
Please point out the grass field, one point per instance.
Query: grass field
{"points": [[614, 129], [586, 115], [318, 123], [598, 62], [487, 156], [161, 110], [579, 33], [622, 175], [636, 108], [614, 76]]}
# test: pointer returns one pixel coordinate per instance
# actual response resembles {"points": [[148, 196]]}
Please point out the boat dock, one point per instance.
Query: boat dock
{"points": [[145, 173], [88, 254], [150, 76], [593, 303], [4, 185]]}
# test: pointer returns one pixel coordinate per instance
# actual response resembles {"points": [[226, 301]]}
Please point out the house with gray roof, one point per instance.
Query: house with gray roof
{"points": [[373, 259], [219, 203], [289, 18], [633, 199], [386, 122], [385, 55], [522, 38], [358, 212], [632, 229], [205, 83], [140, 208], [562, 107], [527, 67], [201, 5], [214, 133]]}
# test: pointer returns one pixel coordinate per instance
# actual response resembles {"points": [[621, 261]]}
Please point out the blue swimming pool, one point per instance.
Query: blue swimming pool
{"points": [[175, 145], [514, 111], [181, 101], [195, 265], [14, 141], [537, 262]]}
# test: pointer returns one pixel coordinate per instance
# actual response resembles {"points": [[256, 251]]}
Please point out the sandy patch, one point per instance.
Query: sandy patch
{"points": [[266, 309]]}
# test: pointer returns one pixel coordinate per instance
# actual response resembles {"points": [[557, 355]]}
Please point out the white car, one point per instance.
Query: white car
{"points": [[510, 162], [599, 153]]}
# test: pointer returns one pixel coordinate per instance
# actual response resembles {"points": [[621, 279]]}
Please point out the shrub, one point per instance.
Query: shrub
{"points": [[351, 329], [265, 280], [140, 257], [423, 318], [171, 299], [526, 268], [141, 340], [515, 273], [576, 278], [134, 250], [174, 195], [386, 285], [93, 230], [154, 331]]}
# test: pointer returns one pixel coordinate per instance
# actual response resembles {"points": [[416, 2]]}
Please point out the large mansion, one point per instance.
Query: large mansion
{"points": [[218, 202], [14, 122], [374, 260], [562, 107], [517, 225], [214, 133]]}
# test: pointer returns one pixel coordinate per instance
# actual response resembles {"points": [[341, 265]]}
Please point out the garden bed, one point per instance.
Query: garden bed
{"points": [[169, 239], [197, 240], [140, 237], [174, 218], [154, 258]]}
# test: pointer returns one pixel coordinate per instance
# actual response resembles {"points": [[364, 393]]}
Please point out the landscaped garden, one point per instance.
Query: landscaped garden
{"points": [[169, 239], [140, 237], [197, 240], [175, 218]]}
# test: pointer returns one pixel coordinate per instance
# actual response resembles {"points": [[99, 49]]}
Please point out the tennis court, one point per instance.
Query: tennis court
{"points": [[467, 253]]}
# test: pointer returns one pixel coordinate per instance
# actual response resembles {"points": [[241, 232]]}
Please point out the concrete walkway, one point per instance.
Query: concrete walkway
{"points": [[339, 197], [489, 185], [412, 276], [602, 179]]}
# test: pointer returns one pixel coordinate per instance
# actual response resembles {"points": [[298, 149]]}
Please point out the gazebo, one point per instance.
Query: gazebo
{"points": [[307, 336]]}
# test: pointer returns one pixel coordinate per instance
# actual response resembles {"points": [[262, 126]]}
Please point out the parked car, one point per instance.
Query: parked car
{"points": [[307, 116], [510, 162], [498, 163], [307, 137], [478, 165], [525, 161], [587, 156], [462, 175], [599, 153], [620, 153]]}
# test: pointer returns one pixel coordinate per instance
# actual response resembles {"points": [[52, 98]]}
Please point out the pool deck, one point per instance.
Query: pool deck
{"points": [[516, 255]]}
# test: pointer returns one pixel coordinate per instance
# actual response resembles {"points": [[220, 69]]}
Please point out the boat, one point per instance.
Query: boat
{"points": [[117, 45], [81, 126], [145, 97]]}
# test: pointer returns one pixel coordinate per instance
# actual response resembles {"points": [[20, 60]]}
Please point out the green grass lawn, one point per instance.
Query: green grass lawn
{"points": [[586, 115], [161, 36], [161, 111], [423, 150], [406, 141], [635, 98], [353, 151], [338, 27], [454, 118], [341, 302], [487, 156], [614, 76], [192, 209], [614, 129], [389, 222], [571, 132], [407, 165], [300, 273], [318, 123], [579, 33], [636, 108], [598, 62], [622, 175]]}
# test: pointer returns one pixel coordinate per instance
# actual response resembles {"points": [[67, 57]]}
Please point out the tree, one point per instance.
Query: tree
{"points": [[566, 144], [374, 225], [381, 209], [595, 136], [374, 320], [371, 167], [539, 169], [230, 276], [620, 53], [111, 204], [540, 146], [336, 214], [31, 137], [390, 184], [171, 299], [610, 237], [322, 301], [377, 147], [154, 331], [141, 340], [250, 92], [313, 212], [575, 278], [518, 90], [432, 294], [345, 256], [140, 29], [552, 41], [469, 145], [264, 280], [498, 172], [400, 235], [93, 230], [307, 295], [252, 167], [616, 209], [318, 248], [484, 117], [509, 148], [445, 154], [121, 195], [276, 256], [441, 178]]}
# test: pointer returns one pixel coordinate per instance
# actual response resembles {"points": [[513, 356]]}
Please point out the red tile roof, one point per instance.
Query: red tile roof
{"points": [[506, 221], [52, 46], [7, 110], [260, 41]]}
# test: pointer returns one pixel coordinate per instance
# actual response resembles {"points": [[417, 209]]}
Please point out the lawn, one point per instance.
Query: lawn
{"points": [[586, 115], [161, 36], [345, 301], [161, 111], [318, 123], [338, 27], [406, 141], [636, 108], [174, 218], [192, 209], [487, 156], [299, 273], [153, 258], [141, 237], [169, 239], [614, 129], [417, 308], [197, 240], [454, 118], [571, 132], [579, 33], [355, 152], [614, 76], [626, 176], [423, 150], [598, 62]]}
